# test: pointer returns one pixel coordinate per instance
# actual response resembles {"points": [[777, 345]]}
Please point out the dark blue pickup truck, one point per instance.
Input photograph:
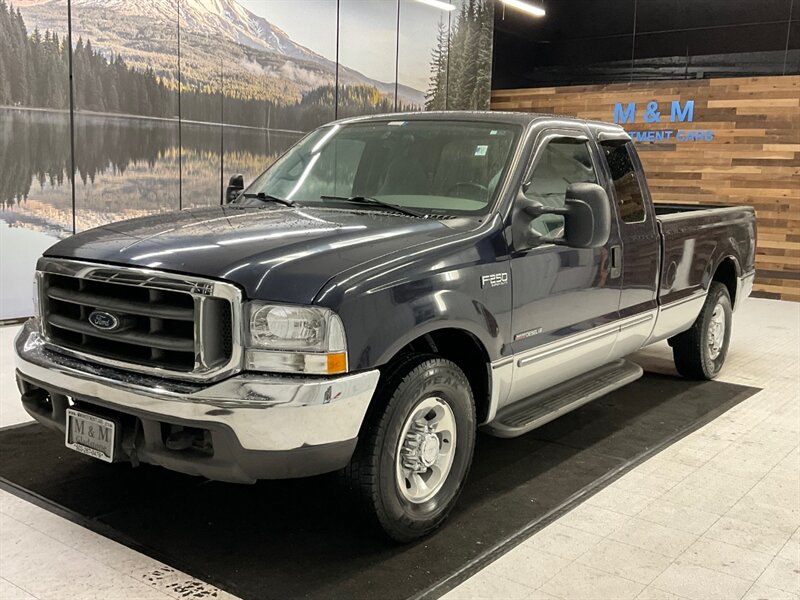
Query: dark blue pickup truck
{"points": [[387, 287]]}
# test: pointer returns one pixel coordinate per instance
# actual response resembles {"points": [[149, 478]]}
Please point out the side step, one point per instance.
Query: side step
{"points": [[534, 411]]}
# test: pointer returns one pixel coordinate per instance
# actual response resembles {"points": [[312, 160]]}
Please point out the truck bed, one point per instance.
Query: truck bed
{"points": [[671, 210], [695, 240]]}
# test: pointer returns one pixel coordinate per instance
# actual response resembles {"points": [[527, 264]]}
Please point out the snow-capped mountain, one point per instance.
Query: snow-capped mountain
{"points": [[143, 32]]}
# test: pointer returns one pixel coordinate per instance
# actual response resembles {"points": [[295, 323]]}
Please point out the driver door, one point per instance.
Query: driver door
{"points": [[565, 300]]}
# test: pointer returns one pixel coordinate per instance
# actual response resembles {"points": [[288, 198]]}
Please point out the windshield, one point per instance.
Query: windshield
{"points": [[446, 167]]}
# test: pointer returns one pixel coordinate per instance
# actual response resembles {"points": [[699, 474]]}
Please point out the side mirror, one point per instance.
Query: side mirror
{"points": [[587, 223], [235, 187], [586, 212]]}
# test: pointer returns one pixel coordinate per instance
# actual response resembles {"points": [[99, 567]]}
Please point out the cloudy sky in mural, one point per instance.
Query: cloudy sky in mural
{"points": [[376, 27]]}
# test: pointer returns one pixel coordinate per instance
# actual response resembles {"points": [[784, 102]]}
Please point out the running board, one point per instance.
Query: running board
{"points": [[534, 411]]}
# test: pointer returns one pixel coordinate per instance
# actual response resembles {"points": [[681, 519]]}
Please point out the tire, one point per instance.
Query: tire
{"points": [[700, 352], [392, 438]]}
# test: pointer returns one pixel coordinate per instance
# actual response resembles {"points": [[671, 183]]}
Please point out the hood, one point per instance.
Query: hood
{"points": [[279, 254]]}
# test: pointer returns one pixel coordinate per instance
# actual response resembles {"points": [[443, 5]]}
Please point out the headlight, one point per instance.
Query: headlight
{"points": [[297, 339]]}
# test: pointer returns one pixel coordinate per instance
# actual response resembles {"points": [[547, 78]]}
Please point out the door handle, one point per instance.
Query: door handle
{"points": [[616, 261]]}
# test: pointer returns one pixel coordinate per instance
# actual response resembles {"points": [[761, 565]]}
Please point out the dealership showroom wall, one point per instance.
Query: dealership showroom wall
{"points": [[524, 323]]}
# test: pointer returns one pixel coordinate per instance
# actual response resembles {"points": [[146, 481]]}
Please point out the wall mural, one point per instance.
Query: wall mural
{"points": [[171, 97]]}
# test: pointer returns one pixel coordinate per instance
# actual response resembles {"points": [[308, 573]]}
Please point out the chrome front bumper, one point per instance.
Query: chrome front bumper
{"points": [[265, 413]]}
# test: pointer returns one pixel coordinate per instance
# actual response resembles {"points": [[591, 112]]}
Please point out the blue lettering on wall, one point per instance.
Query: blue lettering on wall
{"points": [[686, 114], [651, 115], [626, 116], [625, 112]]}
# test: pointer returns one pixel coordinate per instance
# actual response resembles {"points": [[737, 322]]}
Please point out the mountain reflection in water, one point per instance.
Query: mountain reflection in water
{"points": [[126, 166]]}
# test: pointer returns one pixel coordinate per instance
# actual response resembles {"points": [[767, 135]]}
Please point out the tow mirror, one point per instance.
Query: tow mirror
{"points": [[235, 187], [586, 212]]}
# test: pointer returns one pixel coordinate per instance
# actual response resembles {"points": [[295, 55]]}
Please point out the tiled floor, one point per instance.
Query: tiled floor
{"points": [[716, 515], [45, 556]]}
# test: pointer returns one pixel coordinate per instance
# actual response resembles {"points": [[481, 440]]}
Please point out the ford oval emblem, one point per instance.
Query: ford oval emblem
{"points": [[103, 320]]}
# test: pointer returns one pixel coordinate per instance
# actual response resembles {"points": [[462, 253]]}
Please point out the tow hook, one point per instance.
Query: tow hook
{"points": [[181, 440], [187, 438]]}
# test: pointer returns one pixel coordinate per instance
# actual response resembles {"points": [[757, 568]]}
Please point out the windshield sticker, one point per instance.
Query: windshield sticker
{"points": [[397, 123], [481, 150], [493, 132]]}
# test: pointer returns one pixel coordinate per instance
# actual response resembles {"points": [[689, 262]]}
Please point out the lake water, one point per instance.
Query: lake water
{"points": [[125, 167]]}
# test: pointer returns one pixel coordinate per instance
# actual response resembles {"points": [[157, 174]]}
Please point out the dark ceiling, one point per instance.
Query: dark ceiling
{"points": [[602, 41]]}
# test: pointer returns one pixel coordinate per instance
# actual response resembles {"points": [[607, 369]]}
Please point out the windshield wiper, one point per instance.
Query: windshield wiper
{"points": [[270, 198], [376, 202]]}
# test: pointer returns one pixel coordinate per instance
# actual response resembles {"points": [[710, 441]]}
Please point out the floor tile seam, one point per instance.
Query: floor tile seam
{"points": [[783, 458], [731, 543], [715, 571], [655, 587], [750, 588], [75, 548], [699, 535], [712, 568], [20, 587], [631, 546], [785, 544], [603, 538], [488, 568], [575, 562]]}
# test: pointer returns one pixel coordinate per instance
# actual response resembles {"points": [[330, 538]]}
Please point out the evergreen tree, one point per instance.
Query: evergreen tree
{"points": [[34, 71], [436, 97], [5, 92], [483, 84], [464, 76]]}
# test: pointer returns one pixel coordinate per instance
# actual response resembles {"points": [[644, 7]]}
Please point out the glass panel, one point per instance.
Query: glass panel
{"points": [[35, 191], [201, 80], [126, 128], [422, 60], [563, 162], [448, 167], [469, 65], [626, 182], [275, 85], [367, 57]]}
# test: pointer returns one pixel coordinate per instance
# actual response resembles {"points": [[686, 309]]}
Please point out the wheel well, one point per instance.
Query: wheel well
{"points": [[465, 350], [726, 275]]}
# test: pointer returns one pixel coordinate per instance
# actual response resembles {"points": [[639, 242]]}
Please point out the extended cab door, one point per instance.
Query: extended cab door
{"points": [[636, 258], [565, 300]]}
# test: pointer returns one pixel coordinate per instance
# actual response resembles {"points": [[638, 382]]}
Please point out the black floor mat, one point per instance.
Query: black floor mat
{"points": [[299, 539]]}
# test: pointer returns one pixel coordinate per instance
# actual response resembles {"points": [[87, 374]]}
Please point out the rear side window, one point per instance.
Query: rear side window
{"points": [[626, 184]]}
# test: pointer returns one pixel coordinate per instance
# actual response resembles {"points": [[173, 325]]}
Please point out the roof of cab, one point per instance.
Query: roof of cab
{"points": [[491, 116]]}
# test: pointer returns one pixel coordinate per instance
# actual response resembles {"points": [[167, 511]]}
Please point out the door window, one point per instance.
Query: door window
{"points": [[563, 161], [630, 201]]}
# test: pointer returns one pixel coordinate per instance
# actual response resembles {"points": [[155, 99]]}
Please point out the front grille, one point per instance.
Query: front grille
{"points": [[157, 321]]}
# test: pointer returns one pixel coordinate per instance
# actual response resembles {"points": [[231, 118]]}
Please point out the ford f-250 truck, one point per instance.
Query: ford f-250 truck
{"points": [[386, 287]]}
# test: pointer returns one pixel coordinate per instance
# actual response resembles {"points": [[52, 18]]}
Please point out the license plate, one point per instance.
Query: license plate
{"points": [[90, 435]]}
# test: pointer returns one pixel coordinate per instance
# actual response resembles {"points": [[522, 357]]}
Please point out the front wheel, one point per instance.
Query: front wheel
{"points": [[416, 448], [700, 352]]}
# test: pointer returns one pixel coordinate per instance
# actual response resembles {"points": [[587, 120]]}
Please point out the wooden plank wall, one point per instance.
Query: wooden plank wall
{"points": [[754, 158]]}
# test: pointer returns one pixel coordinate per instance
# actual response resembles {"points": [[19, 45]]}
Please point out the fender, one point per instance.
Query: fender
{"points": [[435, 288], [485, 332], [373, 339]]}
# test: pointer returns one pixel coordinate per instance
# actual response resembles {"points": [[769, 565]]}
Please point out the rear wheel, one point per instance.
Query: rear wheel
{"points": [[700, 352], [416, 448]]}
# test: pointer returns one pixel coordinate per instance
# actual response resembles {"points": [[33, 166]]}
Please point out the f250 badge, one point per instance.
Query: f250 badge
{"points": [[494, 280]]}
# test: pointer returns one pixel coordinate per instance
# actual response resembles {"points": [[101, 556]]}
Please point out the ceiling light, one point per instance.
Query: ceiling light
{"points": [[438, 4], [536, 11]]}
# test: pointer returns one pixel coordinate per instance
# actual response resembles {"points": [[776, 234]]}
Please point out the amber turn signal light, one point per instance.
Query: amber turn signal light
{"points": [[337, 362]]}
